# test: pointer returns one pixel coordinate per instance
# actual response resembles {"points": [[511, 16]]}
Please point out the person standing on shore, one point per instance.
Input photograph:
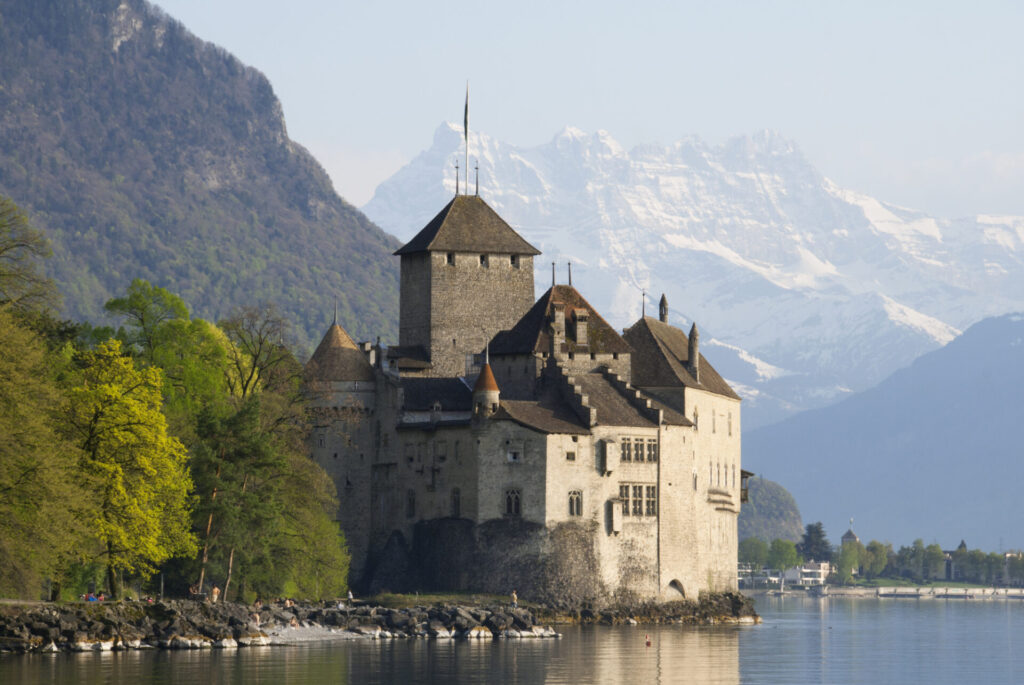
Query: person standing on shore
{"points": [[214, 594], [515, 600]]}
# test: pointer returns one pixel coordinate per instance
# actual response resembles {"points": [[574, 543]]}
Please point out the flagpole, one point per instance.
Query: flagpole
{"points": [[465, 131]]}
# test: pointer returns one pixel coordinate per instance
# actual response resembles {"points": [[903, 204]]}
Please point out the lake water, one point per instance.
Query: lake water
{"points": [[802, 640]]}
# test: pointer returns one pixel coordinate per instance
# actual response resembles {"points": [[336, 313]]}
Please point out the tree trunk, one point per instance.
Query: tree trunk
{"points": [[227, 583], [112, 585], [206, 541]]}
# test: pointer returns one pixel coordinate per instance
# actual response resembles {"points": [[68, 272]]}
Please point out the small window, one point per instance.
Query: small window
{"points": [[695, 481], [512, 503], [638, 500], [335, 455], [651, 501], [730, 424], [570, 456], [514, 260], [652, 450], [483, 260], [696, 419], [638, 450], [626, 450], [456, 503], [514, 454], [410, 504], [575, 503], [450, 259], [624, 498], [714, 421], [321, 442]]}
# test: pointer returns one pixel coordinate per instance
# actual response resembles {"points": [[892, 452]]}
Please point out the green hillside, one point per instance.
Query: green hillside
{"points": [[144, 152], [770, 513]]}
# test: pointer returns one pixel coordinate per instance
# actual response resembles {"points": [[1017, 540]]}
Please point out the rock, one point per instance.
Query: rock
{"points": [[368, 629], [479, 633]]}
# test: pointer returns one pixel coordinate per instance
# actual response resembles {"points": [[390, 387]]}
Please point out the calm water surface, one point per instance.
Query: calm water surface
{"points": [[801, 641]]}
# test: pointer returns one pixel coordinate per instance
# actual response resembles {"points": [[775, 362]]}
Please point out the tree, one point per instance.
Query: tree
{"points": [[753, 551], [815, 546], [934, 562], [42, 499], [144, 488], [876, 558], [22, 283], [849, 559], [783, 555]]}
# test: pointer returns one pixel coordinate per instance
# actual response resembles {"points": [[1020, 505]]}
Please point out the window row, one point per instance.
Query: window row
{"points": [[513, 503], [485, 260], [714, 420], [718, 474], [415, 452], [638, 499], [634, 449]]}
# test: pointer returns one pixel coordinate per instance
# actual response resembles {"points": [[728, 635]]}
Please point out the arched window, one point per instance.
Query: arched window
{"points": [[456, 503], [575, 503], [730, 424], [512, 503]]}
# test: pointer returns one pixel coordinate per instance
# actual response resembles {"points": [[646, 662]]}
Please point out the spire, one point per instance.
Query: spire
{"points": [[552, 274], [663, 309], [570, 273], [465, 133], [456, 177], [643, 303], [476, 167]]}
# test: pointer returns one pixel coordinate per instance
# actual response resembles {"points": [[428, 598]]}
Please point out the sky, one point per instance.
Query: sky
{"points": [[917, 103]]}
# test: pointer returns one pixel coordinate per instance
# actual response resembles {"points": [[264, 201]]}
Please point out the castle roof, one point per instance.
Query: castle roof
{"points": [[468, 224], [337, 358], [532, 333], [541, 416], [661, 353], [485, 381], [420, 394]]}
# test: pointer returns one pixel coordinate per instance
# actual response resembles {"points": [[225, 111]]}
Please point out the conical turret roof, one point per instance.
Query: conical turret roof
{"points": [[337, 358], [468, 224], [485, 382]]}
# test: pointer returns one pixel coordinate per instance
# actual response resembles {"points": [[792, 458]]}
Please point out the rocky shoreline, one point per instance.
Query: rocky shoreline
{"points": [[184, 624]]}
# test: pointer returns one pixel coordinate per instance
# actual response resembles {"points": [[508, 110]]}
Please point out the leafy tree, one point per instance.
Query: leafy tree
{"points": [[934, 562], [815, 546], [42, 499], [22, 283], [876, 558], [783, 555], [849, 559], [753, 551], [143, 491]]}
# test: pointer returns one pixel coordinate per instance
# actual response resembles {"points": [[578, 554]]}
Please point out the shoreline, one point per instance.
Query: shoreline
{"points": [[925, 592], [187, 624]]}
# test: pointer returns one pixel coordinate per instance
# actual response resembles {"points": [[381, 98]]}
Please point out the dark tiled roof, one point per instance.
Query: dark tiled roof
{"points": [[409, 356], [542, 416], [532, 333], [660, 356], [612, 408], [468, 224], [338, 359], [421, 393]]}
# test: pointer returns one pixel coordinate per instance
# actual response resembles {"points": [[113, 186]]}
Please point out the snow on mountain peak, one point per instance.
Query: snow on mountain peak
{"points": [[747, 237]]}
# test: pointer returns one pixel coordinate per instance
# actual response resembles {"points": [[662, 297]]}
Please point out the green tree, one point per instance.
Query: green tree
{"points": [[783, 555], [23, 286], [815, 546], [144, 488], [849, 560], [876, 558], [934, 562], [42, 498], [753, 551]]}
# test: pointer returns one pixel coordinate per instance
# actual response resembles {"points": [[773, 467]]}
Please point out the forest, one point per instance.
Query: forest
{"points": [[166, 452]]}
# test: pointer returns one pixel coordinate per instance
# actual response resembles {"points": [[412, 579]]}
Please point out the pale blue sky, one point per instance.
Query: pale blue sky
{"points": [[917, 103]]}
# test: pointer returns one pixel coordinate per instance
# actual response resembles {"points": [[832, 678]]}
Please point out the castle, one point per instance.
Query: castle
{"points": [[513, 442]]}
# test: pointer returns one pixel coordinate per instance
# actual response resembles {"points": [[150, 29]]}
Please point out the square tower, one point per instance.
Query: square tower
{"points": [[466, 276]]}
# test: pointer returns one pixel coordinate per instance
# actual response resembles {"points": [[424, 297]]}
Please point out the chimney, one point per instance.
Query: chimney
{"points": [[581, 317], [663, 309], [693, 364], [557, 328]]}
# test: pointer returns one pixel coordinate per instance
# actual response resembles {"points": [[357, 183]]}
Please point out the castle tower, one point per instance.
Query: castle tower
{"points": [[486, 394], [464, 277]]}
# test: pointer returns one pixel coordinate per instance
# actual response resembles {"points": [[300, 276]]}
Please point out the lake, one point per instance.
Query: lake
{"points": [[801, 640]]}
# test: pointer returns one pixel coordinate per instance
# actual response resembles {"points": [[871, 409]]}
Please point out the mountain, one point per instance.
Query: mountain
{"points": [[146, 152], [770, 512], [805, 291], [933, 452]]}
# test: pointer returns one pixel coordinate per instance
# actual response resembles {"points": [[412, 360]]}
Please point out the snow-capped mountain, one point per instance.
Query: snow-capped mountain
{"points": [[806, 290]]}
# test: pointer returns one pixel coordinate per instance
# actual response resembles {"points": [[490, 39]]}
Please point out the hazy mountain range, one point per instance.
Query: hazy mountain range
{"points": [[933, 452], [804, 291]]}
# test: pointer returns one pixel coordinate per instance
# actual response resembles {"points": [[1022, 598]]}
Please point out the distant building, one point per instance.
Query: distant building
{"points": [[512, 442]]}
